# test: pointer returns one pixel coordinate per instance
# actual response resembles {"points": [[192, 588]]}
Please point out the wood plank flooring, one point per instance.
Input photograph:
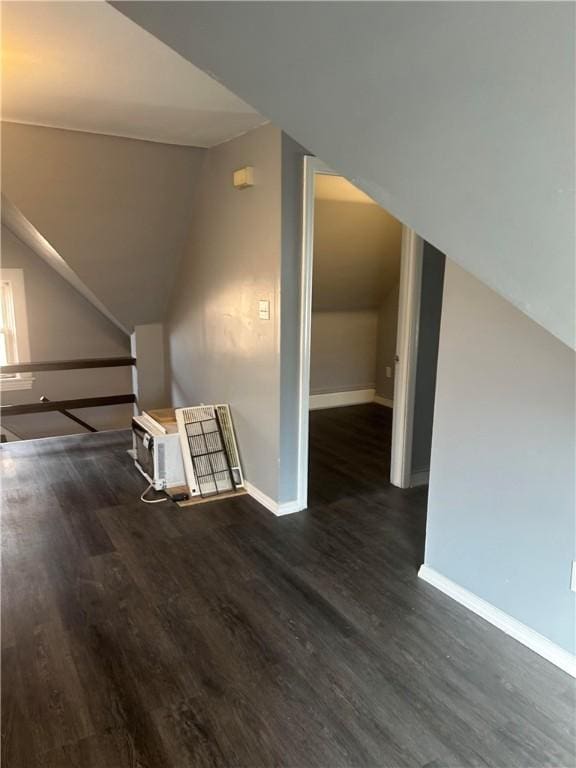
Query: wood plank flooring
{"points": [[158, 637]]}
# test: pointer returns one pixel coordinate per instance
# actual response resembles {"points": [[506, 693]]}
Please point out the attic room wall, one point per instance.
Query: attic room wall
{"points": [[117, 210], [245, 246], [356, 266], [387, 333], [501, 501], [62, 325], [458, 118], [220, 351], [343, 350]]}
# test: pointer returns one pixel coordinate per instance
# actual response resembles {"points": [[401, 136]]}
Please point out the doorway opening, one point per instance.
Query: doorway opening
{"points": [[370, 318]]}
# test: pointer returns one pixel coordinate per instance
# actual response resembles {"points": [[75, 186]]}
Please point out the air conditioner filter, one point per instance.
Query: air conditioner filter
{"points": [[211, 460]]}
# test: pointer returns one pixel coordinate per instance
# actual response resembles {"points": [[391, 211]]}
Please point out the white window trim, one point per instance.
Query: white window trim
{"points": [[20, 380]]}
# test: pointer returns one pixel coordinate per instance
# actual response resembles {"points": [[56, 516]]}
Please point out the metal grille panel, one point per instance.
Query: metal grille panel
{"points": [[206, 448]]}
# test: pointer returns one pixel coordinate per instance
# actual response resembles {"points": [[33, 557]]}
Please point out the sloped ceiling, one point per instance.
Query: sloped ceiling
{"points": [[337, 188], [82, 66], [117, 211], [20, 227], [356, 248], [457, 117]]}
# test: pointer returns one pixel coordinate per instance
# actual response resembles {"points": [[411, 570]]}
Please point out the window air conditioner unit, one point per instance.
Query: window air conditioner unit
{"points": [[157, 454]]}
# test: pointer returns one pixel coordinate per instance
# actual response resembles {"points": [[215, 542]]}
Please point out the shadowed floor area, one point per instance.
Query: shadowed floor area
{"points": [[155, 636]]}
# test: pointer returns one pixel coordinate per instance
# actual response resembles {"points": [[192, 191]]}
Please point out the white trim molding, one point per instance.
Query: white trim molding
{"points": [[406, 357], [385, 401], [15, 278], [278, 509], [312, 166], [341, 399], [19, 381], [520, 632]]}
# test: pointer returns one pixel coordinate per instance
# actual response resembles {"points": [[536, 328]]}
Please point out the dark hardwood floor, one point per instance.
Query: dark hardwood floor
{"points": [[152, 636]]}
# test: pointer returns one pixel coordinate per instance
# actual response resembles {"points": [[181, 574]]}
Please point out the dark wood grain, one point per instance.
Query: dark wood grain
{"points": [[72, 417], [67, 365], [63, 405], [160, 637]]}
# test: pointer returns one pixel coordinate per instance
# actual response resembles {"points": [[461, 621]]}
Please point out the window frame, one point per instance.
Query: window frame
{"points": [[21, 340]]}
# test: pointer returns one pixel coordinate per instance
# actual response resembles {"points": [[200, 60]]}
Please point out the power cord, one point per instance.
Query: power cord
{"points": [[151, 501]]}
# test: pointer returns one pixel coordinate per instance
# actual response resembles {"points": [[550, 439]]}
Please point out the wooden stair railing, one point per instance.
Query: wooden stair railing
{"points": [[64, 406], [68, 365], [58, 405], [71, 416]]}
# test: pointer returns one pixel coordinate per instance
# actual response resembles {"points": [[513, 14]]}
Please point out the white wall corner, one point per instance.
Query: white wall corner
{"points": [[289, 508], [520, 632], [278, 509], [149, 373]]}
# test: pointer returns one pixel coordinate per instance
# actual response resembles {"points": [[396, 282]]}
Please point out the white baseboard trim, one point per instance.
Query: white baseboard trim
{"points": [[341, 399], [421, 477], [286, 508], [520, 632], [383, 401]]}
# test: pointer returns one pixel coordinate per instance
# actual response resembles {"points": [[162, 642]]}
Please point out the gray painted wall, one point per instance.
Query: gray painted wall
{"points": [[501, 504], [356, 255], [150, 377], [387, 334], [458, 118], [343, 350], [220, 351], [427, 355], [356, 265], [19, 225], [116, 210], [63, 325]]}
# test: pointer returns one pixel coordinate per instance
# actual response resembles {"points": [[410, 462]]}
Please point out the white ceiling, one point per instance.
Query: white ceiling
{"points": [[86, 67], [327, 187]]}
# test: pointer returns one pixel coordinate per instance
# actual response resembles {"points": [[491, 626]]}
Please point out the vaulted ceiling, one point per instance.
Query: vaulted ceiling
{"points": [[458, 118], [356, 248], [83, 66]]}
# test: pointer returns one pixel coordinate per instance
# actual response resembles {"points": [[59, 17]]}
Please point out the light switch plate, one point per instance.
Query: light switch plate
{"points": [[264, 310]]}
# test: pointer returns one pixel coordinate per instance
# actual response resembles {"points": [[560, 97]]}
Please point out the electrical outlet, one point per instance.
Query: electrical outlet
{"points": [[388, 372], [573, 577]]}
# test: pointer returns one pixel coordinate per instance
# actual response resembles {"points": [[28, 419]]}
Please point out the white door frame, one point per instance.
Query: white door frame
{"points": [[312, 166], [406, 358], [406, 346]]}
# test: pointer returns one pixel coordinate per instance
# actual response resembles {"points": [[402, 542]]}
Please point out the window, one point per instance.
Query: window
{"points": [[8, 350], [14, 346]]}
